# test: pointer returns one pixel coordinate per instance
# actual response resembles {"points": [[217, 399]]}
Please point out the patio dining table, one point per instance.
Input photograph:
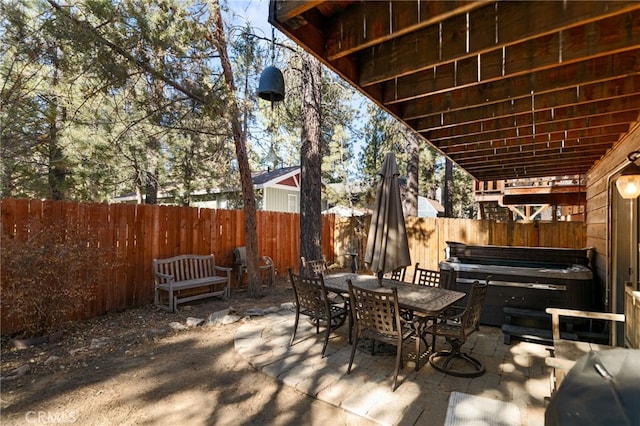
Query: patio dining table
{"points": [[425, 300]]}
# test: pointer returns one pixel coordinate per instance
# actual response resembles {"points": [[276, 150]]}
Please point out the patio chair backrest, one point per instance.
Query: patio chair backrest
{"points": [[444, 278], [314, 267], [376, 313], [310, 294], [240, 254], [399, 274], [470, 320], [428, 277]]}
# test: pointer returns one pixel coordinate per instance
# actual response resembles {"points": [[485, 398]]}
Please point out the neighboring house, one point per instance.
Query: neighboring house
{"points": [[527, 199], [426, 207], [276, 190], [429, 208]]}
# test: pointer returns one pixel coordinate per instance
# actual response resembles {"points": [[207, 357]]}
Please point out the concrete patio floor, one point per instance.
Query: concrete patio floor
{"points": [[514, 373]]}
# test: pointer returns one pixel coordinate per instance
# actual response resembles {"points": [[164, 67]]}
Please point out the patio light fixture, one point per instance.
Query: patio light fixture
{"points": [[628, 183]]}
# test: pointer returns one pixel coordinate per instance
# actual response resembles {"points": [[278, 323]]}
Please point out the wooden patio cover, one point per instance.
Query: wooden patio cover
{"points": [[505, 89]]}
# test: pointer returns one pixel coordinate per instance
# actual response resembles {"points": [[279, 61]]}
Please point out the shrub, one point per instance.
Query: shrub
{"points": [[50, 277]]}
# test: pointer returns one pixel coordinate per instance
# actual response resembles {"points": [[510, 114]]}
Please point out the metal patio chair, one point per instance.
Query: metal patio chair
{"points": [[399, 274], [376, 316], [443, 278], [314, 267], [312, 301], [456, 325], [265, 265], [428, 277]]}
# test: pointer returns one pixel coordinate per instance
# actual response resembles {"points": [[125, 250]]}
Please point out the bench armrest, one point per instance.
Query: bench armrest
{"points": [[163, 277], [222, 268]]}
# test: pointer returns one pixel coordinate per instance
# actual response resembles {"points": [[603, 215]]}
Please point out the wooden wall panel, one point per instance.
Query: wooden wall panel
{"points": [[598, 220]]}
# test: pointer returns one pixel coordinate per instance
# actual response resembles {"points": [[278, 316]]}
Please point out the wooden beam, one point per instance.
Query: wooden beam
{"points": [[473, 156], [519, 172], [520, 125], [420, 53], [287, 10], [582, 129], [531, 163], [359, 27], [550, 104], [524, 87]]}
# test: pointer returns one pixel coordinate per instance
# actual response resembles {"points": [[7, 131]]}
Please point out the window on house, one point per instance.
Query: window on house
{"points": [[292, 203]]}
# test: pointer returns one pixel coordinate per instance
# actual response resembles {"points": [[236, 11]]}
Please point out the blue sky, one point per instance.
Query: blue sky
{"points": [[254, 11]]}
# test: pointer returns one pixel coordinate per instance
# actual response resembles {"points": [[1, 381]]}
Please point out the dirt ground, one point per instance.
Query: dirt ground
{"points": [[131, 368]]}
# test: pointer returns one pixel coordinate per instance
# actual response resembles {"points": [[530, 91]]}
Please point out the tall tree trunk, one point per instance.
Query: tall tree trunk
{"points": [[413, 163], [448, 187], [151, 173], [239, 139], [151, 188], [56, 175], [311, 160]]}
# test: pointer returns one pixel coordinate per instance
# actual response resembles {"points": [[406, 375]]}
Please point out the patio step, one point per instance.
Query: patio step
{"points": [[537, 335], [535, 325], [526, 321], [540, 316]]}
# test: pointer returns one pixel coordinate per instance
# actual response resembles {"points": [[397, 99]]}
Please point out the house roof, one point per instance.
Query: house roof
{"points": [[287, 177], [435, 205], [505, 89]]}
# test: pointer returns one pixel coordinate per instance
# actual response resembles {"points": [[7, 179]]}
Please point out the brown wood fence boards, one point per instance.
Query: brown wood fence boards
{"points": [[428, 236], [138, 233]]}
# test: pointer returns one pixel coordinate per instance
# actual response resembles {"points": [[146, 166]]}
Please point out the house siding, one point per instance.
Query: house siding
{"points": [[598, 219], [277, 200]]}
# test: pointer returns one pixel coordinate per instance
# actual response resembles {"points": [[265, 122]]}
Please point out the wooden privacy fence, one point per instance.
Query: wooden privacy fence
{"points": [[139, 233], [428, 236]]}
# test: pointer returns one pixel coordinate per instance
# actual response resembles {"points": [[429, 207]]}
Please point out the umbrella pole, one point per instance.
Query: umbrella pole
{"points": [[380, 274]]}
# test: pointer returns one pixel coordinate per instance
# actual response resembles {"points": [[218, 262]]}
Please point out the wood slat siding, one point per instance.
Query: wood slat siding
{"points": [[598, 208], [139, 233]]}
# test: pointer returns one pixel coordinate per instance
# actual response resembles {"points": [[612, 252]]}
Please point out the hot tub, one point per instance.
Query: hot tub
{"points": [[524, 277]]}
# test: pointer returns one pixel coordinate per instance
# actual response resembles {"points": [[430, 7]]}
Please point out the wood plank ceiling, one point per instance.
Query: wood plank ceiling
{"points": [[505, 89]]}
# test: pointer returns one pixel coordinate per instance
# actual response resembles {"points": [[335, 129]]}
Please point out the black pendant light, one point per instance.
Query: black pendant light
{"points": [[271, 87]]}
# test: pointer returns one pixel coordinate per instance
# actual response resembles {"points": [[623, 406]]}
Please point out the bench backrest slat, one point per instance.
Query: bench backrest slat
{"points": [[186, 267]]}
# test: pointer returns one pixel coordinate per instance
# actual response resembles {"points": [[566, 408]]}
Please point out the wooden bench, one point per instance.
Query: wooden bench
{"points": [[178, 274]]}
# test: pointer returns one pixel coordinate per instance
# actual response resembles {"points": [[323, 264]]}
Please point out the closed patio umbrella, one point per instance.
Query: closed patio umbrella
{"points": [[387, 244]]}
